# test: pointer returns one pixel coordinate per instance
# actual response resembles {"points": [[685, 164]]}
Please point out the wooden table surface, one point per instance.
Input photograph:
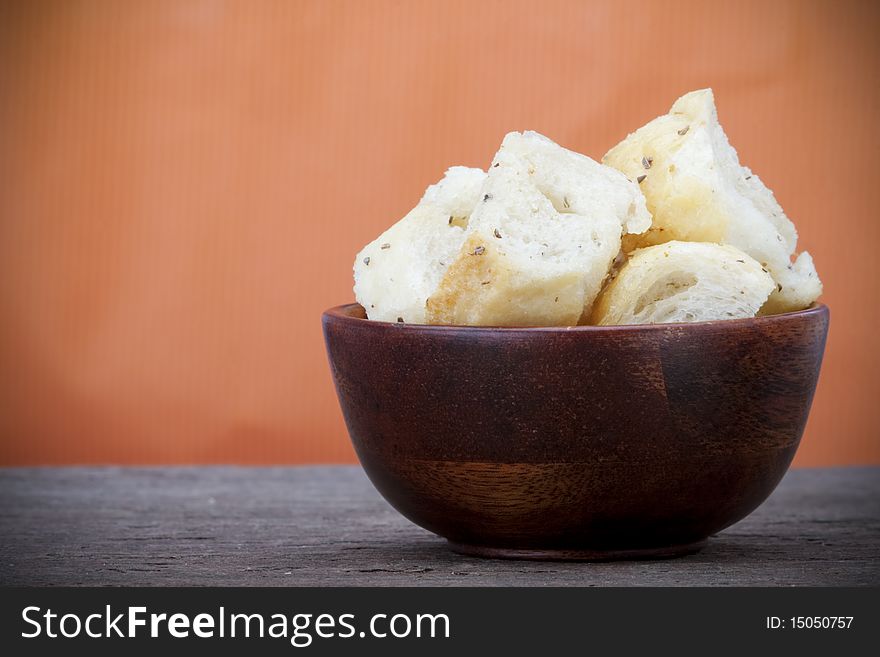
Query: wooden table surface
{"points": [[327, 526]]}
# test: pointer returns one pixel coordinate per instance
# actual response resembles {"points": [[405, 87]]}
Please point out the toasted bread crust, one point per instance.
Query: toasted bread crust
{"points": [[697, 191]]}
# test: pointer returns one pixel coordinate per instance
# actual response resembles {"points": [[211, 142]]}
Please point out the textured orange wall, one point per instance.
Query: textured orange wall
{"points": [[184, 184]]}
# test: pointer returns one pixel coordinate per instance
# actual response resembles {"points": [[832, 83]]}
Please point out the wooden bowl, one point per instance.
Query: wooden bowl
{"points": [[580, 442]]}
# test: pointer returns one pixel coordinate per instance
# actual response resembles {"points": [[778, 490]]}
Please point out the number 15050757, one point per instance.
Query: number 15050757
{"points": [[809, 623]]}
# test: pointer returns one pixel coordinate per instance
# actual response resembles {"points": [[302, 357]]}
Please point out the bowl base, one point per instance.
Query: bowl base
{"points": [[538, 554]]}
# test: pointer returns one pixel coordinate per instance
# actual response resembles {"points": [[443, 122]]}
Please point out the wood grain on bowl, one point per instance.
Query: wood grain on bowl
{"points": [[590, 442]]}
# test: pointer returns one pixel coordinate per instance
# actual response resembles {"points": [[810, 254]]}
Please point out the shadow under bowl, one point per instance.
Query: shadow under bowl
{"points": [[579, 442]]}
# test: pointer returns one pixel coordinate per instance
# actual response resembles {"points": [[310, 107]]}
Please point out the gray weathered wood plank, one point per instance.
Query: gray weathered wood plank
{"points": [[326, 526]]}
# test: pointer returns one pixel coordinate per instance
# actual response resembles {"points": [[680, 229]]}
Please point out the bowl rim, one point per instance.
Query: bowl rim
{"points": [[343, 313]]}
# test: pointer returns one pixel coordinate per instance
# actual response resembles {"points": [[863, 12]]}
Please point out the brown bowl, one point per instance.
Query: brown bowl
{"points": [[581, 442]]}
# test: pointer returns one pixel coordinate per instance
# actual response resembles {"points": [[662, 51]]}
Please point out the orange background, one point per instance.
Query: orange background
{"points": [[184, 185]]}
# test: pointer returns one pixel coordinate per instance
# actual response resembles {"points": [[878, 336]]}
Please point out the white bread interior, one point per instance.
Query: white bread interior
{"points": [[395, 273], [697, 190], [684, 282], [541, 240]]}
